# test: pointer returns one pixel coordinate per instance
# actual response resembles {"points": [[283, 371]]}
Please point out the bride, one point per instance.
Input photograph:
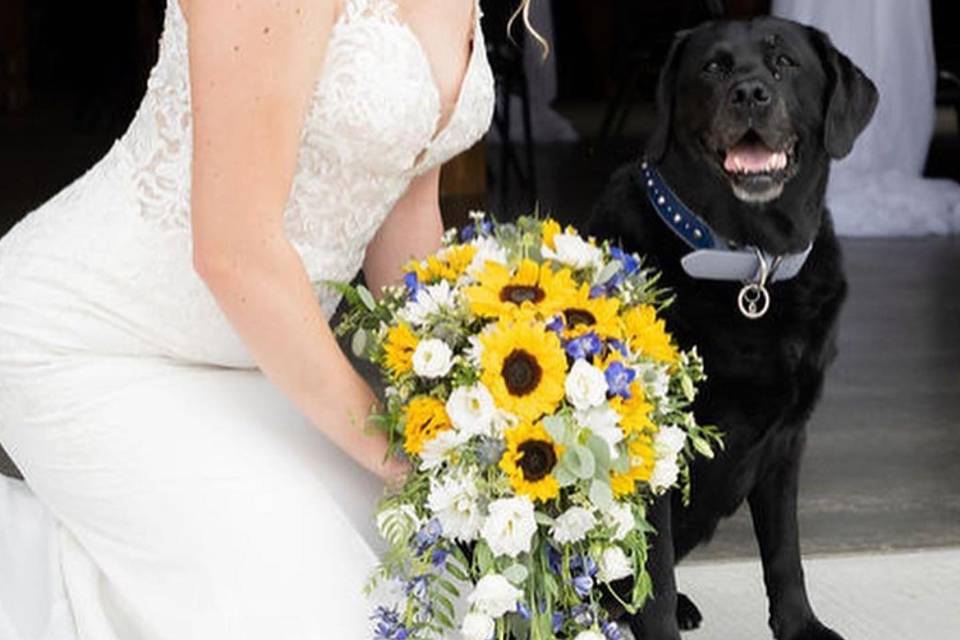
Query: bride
{"points": [[169, 385]]}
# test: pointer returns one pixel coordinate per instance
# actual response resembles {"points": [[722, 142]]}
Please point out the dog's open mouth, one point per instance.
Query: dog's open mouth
{"points": [[758, 172]]}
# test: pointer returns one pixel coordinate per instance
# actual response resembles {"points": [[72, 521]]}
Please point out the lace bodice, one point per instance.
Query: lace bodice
{"points": [[372, 125]]}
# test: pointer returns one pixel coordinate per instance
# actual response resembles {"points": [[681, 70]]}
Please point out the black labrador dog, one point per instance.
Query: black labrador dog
{"points": [[750, 115]]}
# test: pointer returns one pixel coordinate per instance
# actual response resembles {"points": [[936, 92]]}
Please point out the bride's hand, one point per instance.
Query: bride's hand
{"points": [[394, 472]]}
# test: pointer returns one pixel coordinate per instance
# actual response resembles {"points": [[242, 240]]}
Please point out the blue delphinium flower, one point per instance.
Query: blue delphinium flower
{"points": [[611, 631], [598, 290], [558, 620], [629, 263], [583, 585], [389, 626], [582, 615], [555, 560], [471, 231], [418, 587], [556, 324], [583, 346], [619, 378], [583, 565], [427, 536], [413, 285], [618, 345], [523, 610], [439, 558]]}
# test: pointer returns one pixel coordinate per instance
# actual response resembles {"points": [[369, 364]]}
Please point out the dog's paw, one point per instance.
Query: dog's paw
{"points": [[688, 615], [815, 631]]}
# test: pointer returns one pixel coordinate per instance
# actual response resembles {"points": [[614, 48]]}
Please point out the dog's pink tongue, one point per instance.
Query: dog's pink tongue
{"points": [[752, 157]]}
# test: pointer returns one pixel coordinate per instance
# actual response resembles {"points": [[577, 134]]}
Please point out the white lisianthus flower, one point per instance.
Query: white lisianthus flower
{"points": [[604, 422], [509, 528], [620, 516], [431, 300], [454, 500], [574, 251], [668, 443], [586, 386], [503, 420], [403, 523], [477, 626], [488, 250], [494, 595], [613, 564], [590, 634], [572, 525], [432, 358], [472, 410], [655, 379], [436, 450], [474, 353]]}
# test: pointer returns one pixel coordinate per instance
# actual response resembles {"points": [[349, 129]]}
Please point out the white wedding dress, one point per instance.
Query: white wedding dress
{"points": [[172, 492]]}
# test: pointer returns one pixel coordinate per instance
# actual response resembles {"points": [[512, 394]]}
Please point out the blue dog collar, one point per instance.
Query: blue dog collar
{"points": [[712, 259]]}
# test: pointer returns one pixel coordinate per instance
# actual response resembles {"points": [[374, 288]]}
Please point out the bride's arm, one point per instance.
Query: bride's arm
{"points": [[252, 70], [412, 230]]}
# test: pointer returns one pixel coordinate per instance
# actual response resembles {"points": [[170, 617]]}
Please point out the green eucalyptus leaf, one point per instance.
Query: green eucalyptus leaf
{"points": [[556, 426], [608, 272], [564, 476], [580, 462], [543, 519], [516, 573], [601, 453], [601, 495]]}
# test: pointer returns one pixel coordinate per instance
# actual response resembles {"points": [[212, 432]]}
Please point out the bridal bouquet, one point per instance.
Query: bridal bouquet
{"points": [[542, 404]]}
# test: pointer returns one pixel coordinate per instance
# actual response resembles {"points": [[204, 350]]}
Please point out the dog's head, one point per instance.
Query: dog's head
{"points": [[756, 103]]}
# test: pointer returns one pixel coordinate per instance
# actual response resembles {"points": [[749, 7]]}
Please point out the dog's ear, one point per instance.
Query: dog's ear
{"points": [[851, 97], [659, 138]]}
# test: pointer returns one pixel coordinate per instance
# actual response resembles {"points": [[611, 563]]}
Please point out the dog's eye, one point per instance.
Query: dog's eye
{"points": [[713, 67], [784, 60]]}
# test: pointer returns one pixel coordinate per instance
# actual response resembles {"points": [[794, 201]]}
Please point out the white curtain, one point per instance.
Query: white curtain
{"points": [[878, 189]]}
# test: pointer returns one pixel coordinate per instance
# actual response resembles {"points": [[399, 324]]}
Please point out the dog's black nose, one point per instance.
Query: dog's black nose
{"points": [[750, 94]]}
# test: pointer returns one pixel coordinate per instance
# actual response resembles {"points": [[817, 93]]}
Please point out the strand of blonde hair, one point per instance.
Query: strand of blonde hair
{"points": [[523, 11]]}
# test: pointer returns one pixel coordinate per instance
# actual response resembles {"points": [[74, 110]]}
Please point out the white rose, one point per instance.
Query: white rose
{"points": [[613, 565], [454, 500], [477, 626], [494, 595], [404, 521], [586, 386], [488, 250], [620, 516], [590, 635], [510, 526], [665, 474], [437, 450], [432, 358], [572, 525], [431, 300], [669, 441], [603, 421], [572, 250], [471, 410]]}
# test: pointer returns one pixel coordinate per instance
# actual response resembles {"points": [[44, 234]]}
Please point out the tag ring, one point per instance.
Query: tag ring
{"points": [[754, 301]]}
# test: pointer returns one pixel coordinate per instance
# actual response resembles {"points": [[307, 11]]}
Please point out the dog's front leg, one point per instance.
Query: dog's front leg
{"points": [[773, 505], [658, 618]]}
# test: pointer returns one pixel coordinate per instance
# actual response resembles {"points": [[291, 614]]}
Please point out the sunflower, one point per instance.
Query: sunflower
{"points": [[423, 419], [648, 335], [529, 461], [448, 264], [642, 459], [581, 314], [537, 287], [398, 349], [523, 366], [634, 411]]}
